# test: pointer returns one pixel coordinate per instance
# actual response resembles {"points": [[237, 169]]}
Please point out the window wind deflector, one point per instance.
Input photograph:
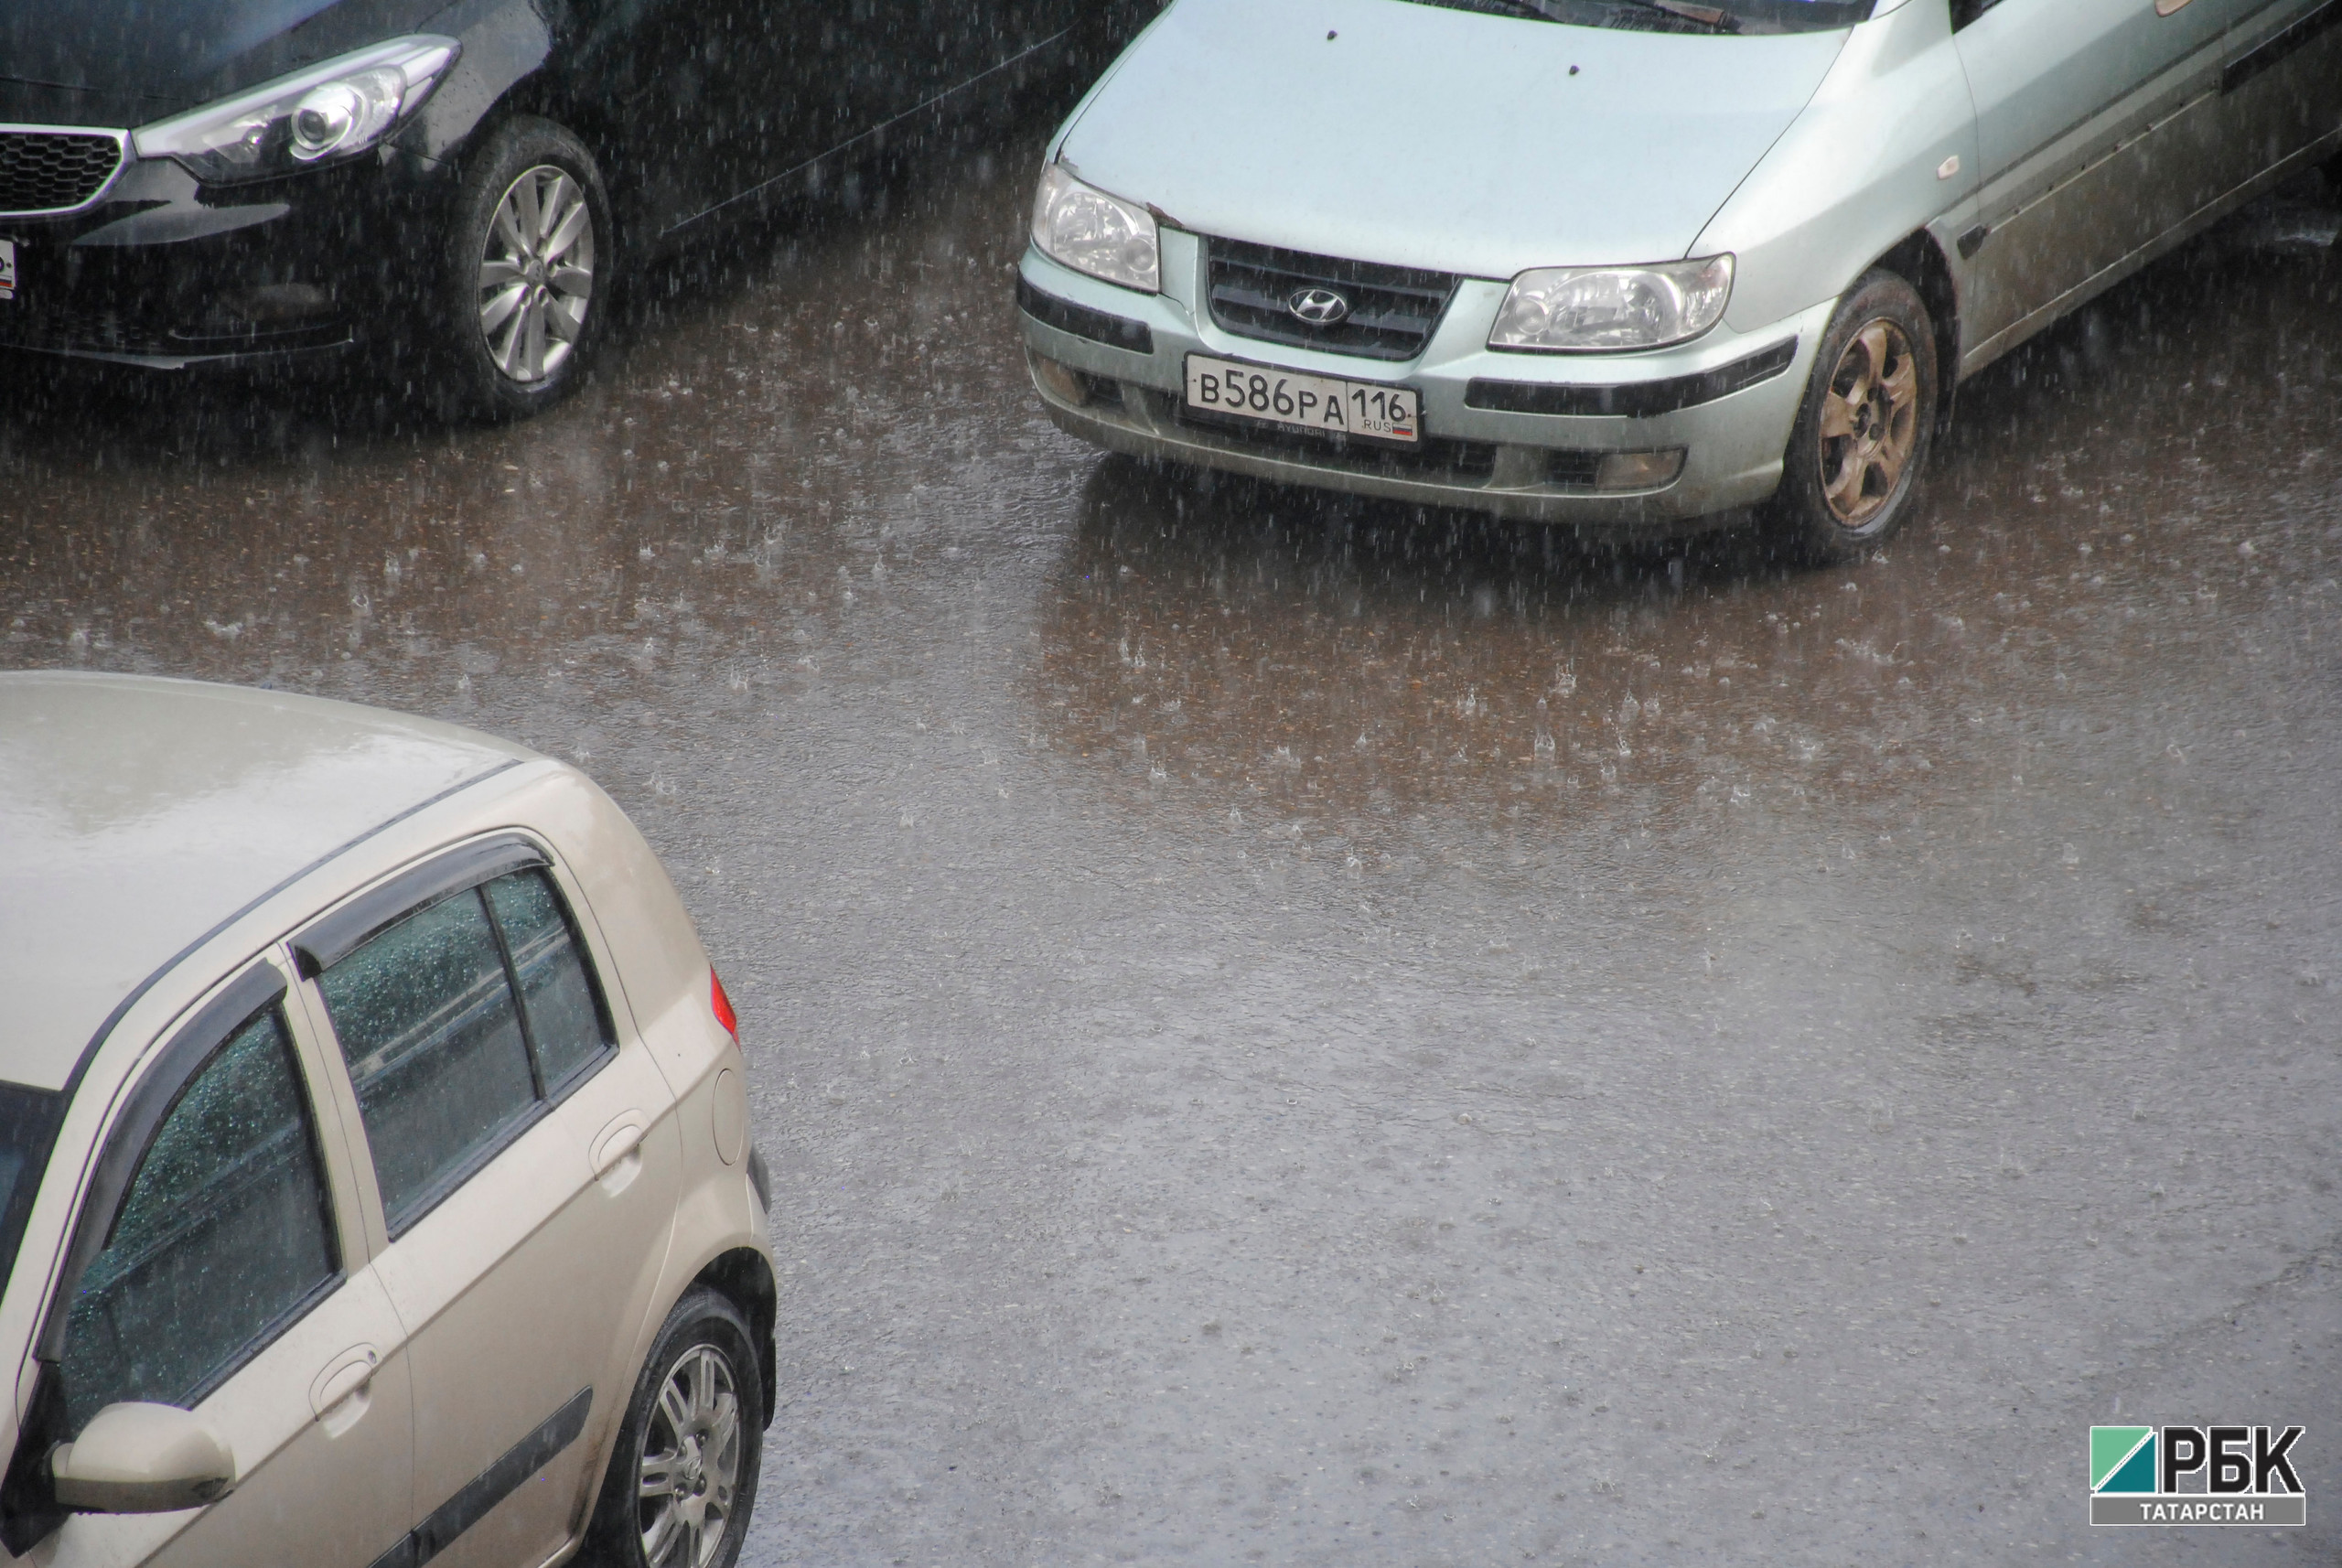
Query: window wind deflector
{"points": [[337, 935]]}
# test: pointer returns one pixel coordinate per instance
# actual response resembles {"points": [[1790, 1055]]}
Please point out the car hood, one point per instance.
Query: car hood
{"points": [[125, 62], [1421, 137]]}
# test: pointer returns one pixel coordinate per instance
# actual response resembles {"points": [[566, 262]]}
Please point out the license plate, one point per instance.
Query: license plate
{"points": [[7, 269], [1324, 403]]}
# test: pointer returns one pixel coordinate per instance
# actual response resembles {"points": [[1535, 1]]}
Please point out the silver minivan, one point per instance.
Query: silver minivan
{"points": [[1626, 265], [375, 1180]]}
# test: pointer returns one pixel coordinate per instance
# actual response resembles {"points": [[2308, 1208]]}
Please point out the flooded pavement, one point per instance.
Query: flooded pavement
{"points": [[1295, 1032]]}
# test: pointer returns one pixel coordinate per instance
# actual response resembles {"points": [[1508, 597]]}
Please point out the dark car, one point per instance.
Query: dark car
{"points": [[445, 187]]}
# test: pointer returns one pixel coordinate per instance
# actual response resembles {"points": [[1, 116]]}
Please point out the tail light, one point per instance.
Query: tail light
{"points": [[723, 1005]]}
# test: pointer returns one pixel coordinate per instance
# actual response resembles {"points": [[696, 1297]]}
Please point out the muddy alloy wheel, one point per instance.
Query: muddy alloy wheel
{"points": [[1864, 427], [681, 1481], [536, 276], [1870, 423]]}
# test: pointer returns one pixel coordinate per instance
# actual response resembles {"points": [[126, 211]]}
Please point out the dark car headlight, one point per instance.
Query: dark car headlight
{"points": [[328, 110]]}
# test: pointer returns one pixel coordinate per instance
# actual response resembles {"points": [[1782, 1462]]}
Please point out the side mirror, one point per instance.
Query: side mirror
{"points": [[143, 1458]]}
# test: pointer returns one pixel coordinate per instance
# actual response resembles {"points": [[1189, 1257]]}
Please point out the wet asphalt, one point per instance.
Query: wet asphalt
{"points": [[1298, 1032]]}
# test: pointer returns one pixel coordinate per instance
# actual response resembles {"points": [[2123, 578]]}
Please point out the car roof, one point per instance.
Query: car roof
{"points": [[140, 814]]}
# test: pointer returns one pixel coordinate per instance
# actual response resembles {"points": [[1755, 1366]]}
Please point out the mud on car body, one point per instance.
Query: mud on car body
{"points": [[1629, 264], [446, 188]]}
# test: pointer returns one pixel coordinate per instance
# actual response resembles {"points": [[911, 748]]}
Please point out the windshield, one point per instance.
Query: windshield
{"points": [[1737, 16], [27, 1123]]}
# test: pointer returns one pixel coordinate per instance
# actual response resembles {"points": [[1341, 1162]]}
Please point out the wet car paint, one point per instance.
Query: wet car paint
{"points": [[1234, 1087]]}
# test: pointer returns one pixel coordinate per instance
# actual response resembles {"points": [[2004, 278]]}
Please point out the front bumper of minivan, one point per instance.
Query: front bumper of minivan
{"points": [[1655, 441]]}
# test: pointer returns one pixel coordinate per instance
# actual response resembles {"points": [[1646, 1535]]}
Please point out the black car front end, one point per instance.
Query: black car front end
{"points": [[237, 182], [146, 264]]}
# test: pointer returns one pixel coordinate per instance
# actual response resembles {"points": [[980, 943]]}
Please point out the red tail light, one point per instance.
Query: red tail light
{"points": [[723, 1005]]}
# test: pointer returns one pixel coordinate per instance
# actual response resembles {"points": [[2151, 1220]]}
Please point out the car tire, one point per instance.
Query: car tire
{"points": [[524, 279], [676, 1435], [1863, 430]]}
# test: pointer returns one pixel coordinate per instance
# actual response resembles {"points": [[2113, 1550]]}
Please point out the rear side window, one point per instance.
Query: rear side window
{"points": [[460, 1023], [563, 1009], [223, 1237]]}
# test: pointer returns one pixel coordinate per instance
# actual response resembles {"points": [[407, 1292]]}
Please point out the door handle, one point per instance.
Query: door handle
{"points": [[338, 1394], [616, 1141], [2166, 7]]}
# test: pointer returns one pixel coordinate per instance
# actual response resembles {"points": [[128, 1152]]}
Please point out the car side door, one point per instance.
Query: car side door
{"points": [[218, 1265], [2098, 130], [2282, 79], [523, 1153]]}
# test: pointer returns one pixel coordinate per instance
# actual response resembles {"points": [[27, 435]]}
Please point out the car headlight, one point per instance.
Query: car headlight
{"points": [[1577, 310], [1093, 232], [328, 110]]}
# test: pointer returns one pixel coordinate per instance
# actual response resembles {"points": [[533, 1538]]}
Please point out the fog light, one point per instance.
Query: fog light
{"points": [[1062, 382], [1637, 470]]}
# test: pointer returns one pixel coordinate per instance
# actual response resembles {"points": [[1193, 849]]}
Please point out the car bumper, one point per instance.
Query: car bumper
{"points": [[166, 274], [1518, 435]]}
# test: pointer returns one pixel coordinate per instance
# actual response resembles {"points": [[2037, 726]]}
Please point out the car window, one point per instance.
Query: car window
{"points": [[564, 1012], [223, 1235], [449, 1056]]}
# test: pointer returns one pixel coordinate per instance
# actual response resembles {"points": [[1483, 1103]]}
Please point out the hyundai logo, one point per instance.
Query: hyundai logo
{"points": [[1317, 307]]}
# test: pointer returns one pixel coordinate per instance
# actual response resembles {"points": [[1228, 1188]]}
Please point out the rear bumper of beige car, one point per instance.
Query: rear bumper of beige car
{"points": [[1521, 436]]}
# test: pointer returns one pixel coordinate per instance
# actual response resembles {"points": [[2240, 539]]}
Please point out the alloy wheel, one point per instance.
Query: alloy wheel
{"points": [[536, 274], [1870, 424], [690, 1473]]}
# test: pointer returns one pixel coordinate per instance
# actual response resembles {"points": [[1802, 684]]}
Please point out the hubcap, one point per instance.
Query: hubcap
{"points": [[536, 274], [1870, 423], [691, 1463]]}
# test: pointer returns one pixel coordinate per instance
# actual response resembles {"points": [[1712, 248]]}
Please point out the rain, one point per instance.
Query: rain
{"points": [[1310, 1028]]}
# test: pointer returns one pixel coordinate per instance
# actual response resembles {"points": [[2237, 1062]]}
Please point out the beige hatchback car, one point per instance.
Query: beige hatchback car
{"points": [[375, 1183]]}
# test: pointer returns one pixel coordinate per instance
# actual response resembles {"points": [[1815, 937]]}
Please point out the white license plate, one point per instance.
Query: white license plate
{"points": [[7, 269], [1326, 404]]}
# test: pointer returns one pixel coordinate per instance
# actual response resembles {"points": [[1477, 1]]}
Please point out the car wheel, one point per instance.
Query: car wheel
{"points": [[683, 1474], [1863, 432], [520, 309]]}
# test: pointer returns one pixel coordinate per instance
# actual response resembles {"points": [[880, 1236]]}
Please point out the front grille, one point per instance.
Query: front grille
{"points": [[72, 330], [1393, 310], [49, 171], [1576, 469], [68, 328]]}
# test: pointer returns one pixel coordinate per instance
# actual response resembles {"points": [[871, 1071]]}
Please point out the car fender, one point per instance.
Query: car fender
{"points": [[505, 43], [1886, 149]]}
